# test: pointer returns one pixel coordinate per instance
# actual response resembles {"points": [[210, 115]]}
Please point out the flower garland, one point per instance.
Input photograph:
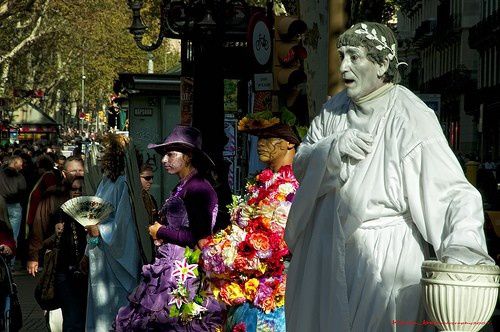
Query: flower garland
{"points": [[185, 304], [245, 261]]}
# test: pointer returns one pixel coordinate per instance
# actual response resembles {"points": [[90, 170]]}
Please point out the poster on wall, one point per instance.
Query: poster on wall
{"points": [[230, 95], [230, 150], [262, 101], [187, 85]]}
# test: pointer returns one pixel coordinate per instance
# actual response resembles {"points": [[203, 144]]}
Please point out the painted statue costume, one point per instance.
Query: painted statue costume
{"points": [[188, 214], [357, 228], [246, 261]]}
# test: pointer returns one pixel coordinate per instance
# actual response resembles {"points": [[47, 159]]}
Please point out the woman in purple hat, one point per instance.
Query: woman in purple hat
{"points": [[172, 295]]}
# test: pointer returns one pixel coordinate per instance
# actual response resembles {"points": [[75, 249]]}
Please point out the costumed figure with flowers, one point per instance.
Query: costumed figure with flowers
{"points": [[172, 294], [246, 261]]}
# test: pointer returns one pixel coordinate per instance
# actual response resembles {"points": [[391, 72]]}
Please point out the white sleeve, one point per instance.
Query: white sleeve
{"points": [[446, 208]]}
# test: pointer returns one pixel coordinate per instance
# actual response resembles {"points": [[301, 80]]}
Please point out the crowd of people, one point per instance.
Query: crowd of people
{"points": [[329, 237]]}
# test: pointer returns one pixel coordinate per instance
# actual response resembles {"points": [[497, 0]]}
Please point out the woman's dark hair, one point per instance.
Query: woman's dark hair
{"points": [[113, 158]]}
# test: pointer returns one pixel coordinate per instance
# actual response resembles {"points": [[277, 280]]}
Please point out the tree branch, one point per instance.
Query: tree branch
{"points": [[29, 39]]}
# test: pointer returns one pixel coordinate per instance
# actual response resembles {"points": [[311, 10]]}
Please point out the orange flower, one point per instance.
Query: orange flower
{"points": [[268, 304], [259, 241]]}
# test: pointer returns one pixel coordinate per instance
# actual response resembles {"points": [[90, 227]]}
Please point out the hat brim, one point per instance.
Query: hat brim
{"points": [[163, 148], [279, 130]]}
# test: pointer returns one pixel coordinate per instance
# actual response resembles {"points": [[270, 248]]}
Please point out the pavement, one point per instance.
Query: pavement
{"points": [[33, 318], [34, 321]]}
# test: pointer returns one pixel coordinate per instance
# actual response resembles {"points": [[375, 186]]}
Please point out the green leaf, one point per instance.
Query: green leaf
{"points": [[287, 117], [174, 311], [302, 131]]}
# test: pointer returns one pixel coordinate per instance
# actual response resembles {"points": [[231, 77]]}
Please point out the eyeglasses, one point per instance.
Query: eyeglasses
{"points": [[147, 178]]}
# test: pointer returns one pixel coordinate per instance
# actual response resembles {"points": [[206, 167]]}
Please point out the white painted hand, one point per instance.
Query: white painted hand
{"points": [[355, 144]]}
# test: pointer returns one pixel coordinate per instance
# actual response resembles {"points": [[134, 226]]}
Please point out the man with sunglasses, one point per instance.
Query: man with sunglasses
{"points": [[146, 175]]}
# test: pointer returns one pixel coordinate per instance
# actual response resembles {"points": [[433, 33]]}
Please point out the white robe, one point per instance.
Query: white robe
{"points": [[357, 229], [114, 264]]}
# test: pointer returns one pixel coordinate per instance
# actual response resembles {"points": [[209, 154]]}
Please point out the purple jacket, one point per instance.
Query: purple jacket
{"points": [[188, 215]]}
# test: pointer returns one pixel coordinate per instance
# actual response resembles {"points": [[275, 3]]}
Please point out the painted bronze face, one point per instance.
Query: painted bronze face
{"points": [[271, 149]]}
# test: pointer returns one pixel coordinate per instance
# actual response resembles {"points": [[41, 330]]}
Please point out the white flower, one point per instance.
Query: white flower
{"points": [[266, 211], [286, 188], [183, 270], [237, 234], [281, 214], [229, 255]]}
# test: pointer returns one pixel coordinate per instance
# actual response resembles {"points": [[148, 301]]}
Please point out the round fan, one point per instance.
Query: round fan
{"points": [[88, 210]]}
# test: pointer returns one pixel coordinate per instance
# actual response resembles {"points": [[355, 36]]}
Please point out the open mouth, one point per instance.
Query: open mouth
{"points": [[348, 81]]}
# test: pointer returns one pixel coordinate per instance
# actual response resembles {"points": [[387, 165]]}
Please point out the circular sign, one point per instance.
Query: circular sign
{"points": [[259, 36]]}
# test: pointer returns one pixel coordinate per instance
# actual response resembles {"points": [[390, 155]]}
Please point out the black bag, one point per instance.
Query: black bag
{"points": [[45, 292], [15, 315]]}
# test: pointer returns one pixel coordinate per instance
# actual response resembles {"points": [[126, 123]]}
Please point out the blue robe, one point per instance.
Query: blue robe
{"points": [[114, 263]]}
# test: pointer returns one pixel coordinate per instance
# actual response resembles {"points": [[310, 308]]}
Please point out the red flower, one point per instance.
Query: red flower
{"points": [[240, 327], [257, 226], [246, 250], [265, 175]]}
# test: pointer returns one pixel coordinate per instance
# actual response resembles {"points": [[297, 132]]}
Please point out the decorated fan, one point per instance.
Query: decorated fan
{"points": [[88, 210]]}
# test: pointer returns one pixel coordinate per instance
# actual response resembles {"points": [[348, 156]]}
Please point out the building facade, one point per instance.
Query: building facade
{"points": [[434, 40], [485, 39]]}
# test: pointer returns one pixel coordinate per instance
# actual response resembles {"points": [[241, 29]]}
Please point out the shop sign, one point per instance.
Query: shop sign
{"points": [[143, 111], [263, 82], [37, 129]]}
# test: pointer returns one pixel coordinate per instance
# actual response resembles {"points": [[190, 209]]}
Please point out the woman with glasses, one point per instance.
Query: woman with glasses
{"points": [[71, 282]]}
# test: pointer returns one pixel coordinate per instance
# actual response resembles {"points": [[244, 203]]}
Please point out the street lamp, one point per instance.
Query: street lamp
{"points": [[181, 18], [83, 96]]}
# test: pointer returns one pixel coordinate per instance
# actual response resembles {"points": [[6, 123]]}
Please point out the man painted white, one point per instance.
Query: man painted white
{"points": [[378, 184]]}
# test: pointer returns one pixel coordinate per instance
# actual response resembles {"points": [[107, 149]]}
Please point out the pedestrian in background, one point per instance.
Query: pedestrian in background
{"points": [[70, 280], [146, 175], [13, 189]]}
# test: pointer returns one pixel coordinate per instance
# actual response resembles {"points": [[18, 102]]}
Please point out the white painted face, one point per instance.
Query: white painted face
{"points": [[361, 76], [174, 162]]}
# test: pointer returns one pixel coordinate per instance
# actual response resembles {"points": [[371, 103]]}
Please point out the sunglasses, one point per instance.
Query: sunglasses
{"points": [[147, 178]]}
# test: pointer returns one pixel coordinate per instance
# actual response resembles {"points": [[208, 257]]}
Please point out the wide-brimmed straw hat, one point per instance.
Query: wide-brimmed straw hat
{"points": [[268, 129], [183, 138]]}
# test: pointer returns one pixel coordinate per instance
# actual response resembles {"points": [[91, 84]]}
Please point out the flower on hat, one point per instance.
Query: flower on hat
{"points": [[258, 120]]}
